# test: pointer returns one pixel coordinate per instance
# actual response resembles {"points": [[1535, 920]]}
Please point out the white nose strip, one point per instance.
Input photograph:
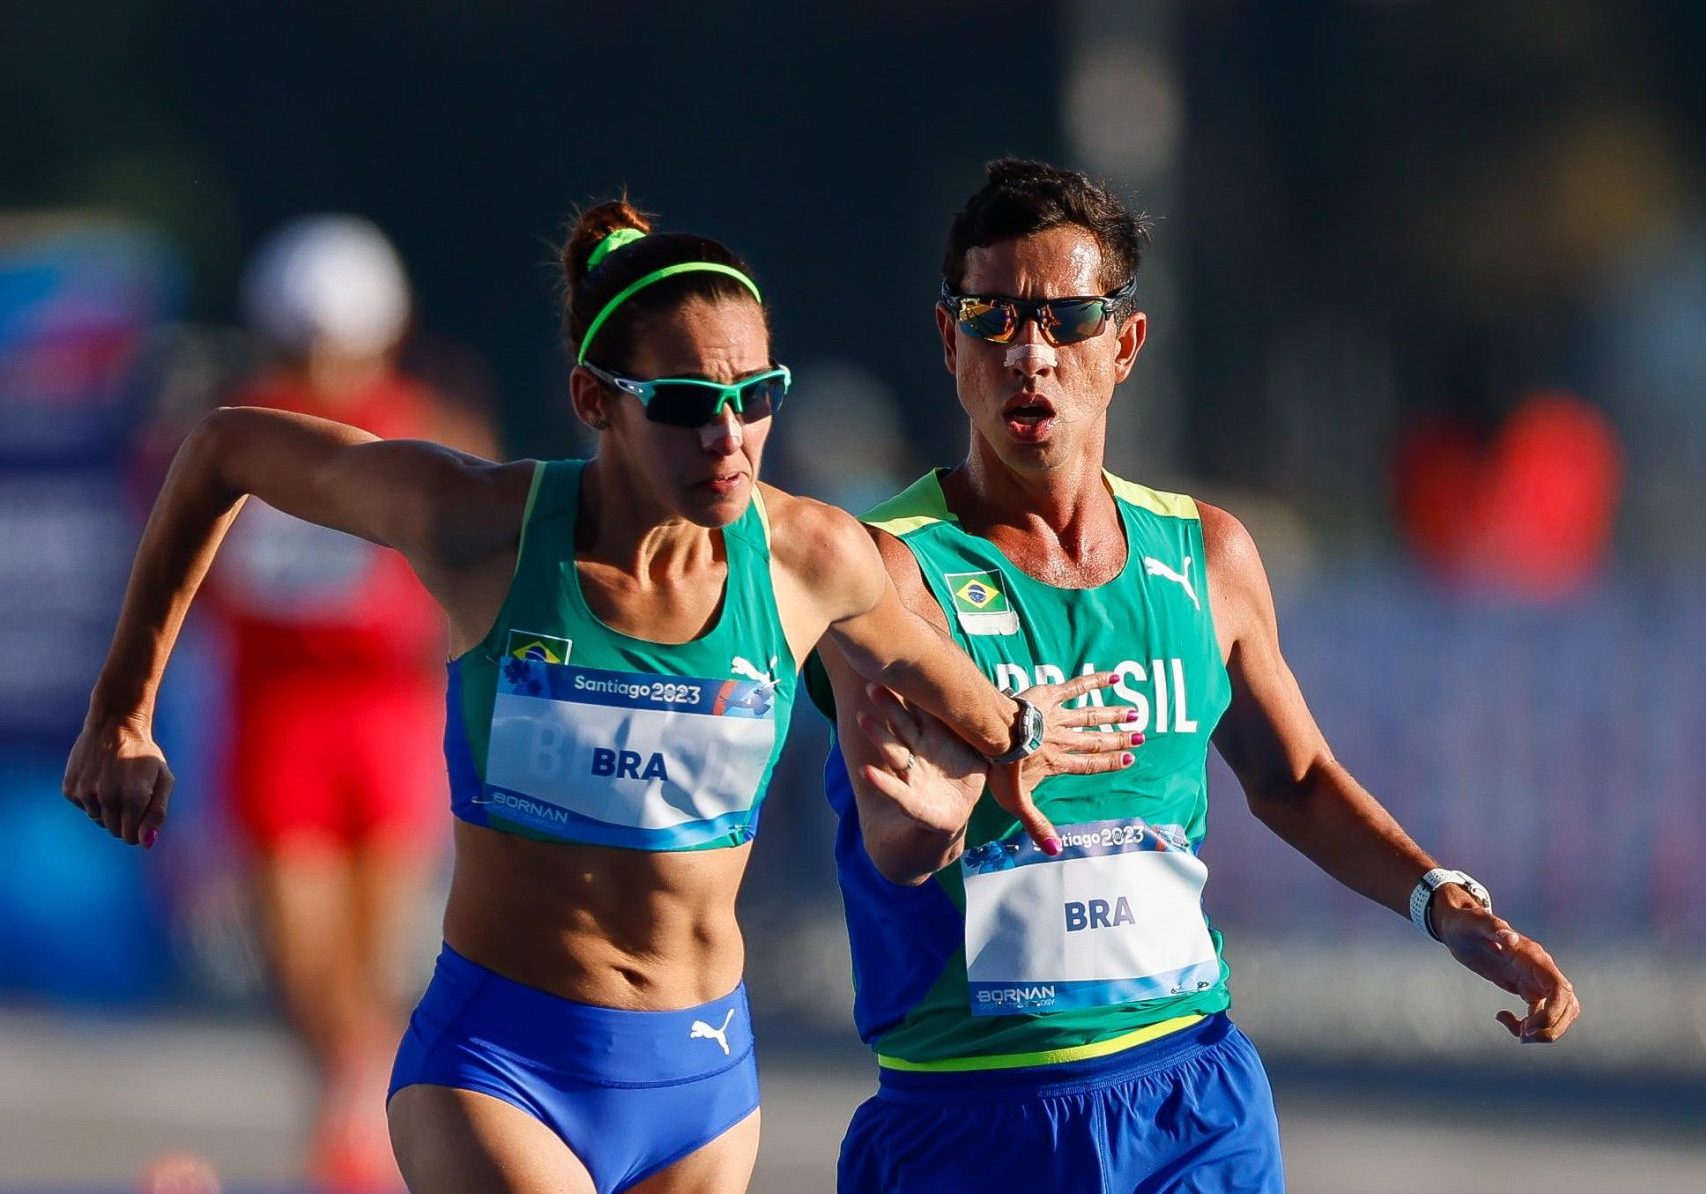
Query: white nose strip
{"points": [[1031, 357], [710, 433]]}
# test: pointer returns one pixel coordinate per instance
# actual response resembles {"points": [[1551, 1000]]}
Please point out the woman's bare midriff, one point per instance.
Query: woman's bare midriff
{"points": [[614, 928]]}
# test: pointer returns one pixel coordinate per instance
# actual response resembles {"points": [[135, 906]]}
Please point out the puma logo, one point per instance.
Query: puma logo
{"points": [[747, 670], [1155, 567], [704, 1031]]}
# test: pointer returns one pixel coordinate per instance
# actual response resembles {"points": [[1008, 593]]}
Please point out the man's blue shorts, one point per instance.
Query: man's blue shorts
{"points": [[1191, 1113], [630, 1093]]}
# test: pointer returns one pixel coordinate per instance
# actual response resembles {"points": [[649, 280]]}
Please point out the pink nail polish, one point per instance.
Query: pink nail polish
{"points": [[1137, 739], [149, 837], [1131, 714], [1126, 759], [1051, 846]]}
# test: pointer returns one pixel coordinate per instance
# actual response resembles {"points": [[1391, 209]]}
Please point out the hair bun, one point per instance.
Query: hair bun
{"points": [[591, 227]]}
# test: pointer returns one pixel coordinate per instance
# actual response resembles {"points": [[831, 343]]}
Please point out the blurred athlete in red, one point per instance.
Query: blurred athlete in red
{"points": [[337, 781]]}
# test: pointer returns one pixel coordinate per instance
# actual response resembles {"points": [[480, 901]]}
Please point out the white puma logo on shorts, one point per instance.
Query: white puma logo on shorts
{"points": [[703, 1030], [1156, 568]]}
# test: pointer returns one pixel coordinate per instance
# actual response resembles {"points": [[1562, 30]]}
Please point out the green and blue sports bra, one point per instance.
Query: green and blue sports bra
{"points": [[560, 729]]}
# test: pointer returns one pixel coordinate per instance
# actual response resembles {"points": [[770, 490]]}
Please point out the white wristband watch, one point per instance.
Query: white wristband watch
{"points": [[1431, 882]]}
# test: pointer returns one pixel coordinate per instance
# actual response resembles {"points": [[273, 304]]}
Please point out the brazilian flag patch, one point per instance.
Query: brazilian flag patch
{"points": [[540, 648], [980, 603]]}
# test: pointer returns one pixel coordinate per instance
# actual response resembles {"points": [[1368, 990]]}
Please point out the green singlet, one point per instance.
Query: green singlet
{"points": [[1010, 957]]}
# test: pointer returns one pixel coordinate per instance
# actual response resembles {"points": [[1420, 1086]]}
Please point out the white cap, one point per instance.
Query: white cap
{"points": [[328, 281]]}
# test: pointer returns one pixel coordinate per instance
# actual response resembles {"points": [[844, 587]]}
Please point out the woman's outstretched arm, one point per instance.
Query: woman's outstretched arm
{"points": [[438, 507]]}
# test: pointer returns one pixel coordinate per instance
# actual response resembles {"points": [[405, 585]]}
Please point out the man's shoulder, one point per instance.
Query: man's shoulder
{"points": [[1231, 551]]}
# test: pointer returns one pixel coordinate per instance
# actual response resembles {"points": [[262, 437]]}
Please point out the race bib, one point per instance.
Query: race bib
{"points": [[1115, 917], [630, 750]]}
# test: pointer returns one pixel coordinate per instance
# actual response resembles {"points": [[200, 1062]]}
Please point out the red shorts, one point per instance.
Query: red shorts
{"points": [[339, 761]]}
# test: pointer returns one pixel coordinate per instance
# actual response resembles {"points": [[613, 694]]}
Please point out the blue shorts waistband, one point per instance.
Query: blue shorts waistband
{"points": [[1044, 1081], [609, 1046]]}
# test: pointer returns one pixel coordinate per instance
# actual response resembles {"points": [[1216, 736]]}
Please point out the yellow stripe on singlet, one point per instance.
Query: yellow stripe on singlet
{"points": [[763, 513], [1013, 1061], [527, 510], [1172, 505]]}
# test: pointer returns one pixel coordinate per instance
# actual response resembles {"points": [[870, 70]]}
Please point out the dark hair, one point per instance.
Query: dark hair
{"points": [[586, 291], [1022, 197]]}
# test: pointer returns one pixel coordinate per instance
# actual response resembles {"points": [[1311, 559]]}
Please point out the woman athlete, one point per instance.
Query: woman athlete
{"points": [[625, 634]]}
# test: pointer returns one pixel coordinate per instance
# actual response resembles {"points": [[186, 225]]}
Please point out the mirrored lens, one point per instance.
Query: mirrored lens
{"points": [[987, 319], [1063, 321], [1072, 321]]}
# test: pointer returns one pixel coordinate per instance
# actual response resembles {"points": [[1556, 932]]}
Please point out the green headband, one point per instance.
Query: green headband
{"points": [[669, 271]]}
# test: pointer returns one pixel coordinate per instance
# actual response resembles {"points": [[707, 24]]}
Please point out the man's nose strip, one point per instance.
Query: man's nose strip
{"points": [[1031, 357]]}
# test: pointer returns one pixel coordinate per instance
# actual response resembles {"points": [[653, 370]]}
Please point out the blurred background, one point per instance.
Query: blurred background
{"points": [[1427, 302]]}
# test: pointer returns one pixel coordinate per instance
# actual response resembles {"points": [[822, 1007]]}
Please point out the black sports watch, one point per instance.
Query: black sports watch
{"points": [[1028, 731]]}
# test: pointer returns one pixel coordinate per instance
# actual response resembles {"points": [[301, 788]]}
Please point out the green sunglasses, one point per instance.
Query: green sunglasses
{"points": [[1061, 321], [693, 402]]}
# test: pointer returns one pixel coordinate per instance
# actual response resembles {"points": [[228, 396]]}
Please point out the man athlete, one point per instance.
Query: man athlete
{"points": [[1052, 1007]]}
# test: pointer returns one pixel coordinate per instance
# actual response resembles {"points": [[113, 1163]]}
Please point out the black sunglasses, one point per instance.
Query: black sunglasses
{"points": [[1061, 321], [694, 402]]}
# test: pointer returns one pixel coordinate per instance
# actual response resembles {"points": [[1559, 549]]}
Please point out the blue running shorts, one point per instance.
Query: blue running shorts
{"points": [[1190, 1113], [630, 1093]]}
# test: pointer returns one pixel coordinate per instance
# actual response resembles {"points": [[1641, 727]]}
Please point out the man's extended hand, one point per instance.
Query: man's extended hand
{"points": [[1498, 953]]}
